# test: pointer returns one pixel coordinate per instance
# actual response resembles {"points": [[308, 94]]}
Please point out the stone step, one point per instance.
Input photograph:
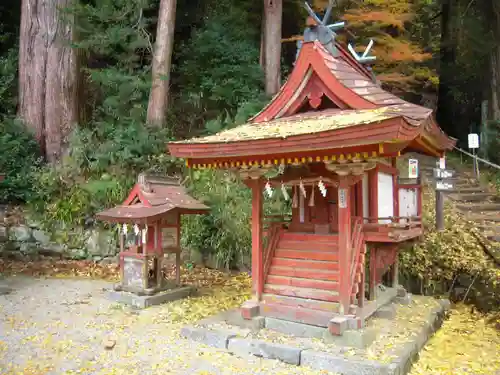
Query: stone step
{"points": [[493, 237], [484, 217], [466, 190], [474, 197], [481, 207], [309, 293], [301, 302]]}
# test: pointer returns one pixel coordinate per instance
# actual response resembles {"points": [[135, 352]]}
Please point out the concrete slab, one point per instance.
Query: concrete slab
{"points": [[142, 302], [214, 338], [269, 350], [4, 289], [341, 365], [233, 317]]}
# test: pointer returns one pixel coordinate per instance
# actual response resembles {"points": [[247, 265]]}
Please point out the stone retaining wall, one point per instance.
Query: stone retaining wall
{"points": [[21, 238]]}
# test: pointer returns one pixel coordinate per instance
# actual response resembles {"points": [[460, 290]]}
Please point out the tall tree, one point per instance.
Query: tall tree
{"points": [[158, 99], [48, 74], [273, 16]]}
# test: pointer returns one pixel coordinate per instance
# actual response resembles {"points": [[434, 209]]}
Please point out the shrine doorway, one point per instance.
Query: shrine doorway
{"points": [[315, 213]]}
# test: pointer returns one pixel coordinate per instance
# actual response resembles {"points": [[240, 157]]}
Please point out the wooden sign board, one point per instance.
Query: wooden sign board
{"points": [[133, 276], [169, 237], [443, 173], [342, 198], [442, 185]]}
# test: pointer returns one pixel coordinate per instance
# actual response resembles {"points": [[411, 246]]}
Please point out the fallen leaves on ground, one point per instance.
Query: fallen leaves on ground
{"points": [[467, 343], [223, 294], [51, 267]]}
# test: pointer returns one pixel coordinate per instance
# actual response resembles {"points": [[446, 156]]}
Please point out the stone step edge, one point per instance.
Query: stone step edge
{"points": [[234, 343]]}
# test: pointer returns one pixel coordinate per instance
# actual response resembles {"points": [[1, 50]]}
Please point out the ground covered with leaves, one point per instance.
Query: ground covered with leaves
{"points": [[64, 324]]}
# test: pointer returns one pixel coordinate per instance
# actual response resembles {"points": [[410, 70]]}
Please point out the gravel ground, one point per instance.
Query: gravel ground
{"points": [[62, 326]]}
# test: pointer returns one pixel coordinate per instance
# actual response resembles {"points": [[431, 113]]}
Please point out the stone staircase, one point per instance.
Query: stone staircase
{"points": [[479, 204]]}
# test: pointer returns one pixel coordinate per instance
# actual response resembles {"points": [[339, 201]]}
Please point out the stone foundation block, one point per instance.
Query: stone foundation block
{"points": [[142, 302], [406, 300], [359, 339], [338, 325], [341, 365], [355, 323], [386, 312], [214, 338], [250, 309], [296, 329], [259, 348]]}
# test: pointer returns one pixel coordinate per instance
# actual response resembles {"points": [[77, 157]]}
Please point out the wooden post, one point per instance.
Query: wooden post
{"points": [[373, 273], [395, 273], [361, 300], [439, 210], [344, 243], [257, 256], [178, 254]]}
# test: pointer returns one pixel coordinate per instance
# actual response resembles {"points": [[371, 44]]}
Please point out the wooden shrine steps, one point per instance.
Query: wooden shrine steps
{"points": [[302, 283]]}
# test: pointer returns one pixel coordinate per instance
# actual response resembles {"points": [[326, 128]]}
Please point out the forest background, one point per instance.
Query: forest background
{"points": [[92, 90]]}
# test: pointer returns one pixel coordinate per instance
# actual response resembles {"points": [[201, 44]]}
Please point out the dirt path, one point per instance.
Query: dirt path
{"points": [[60, 326]]}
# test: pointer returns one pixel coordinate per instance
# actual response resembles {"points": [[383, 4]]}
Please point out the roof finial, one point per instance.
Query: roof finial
{"points": [[364, 58], [143, 183], [320, 30]]}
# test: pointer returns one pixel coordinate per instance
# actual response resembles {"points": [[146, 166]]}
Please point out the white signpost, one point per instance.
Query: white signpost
{"points": [[473, 140], [442, 163]]}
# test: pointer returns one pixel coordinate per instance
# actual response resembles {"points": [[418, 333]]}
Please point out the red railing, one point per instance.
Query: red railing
{"points": [[273, 239], [357, 246]]}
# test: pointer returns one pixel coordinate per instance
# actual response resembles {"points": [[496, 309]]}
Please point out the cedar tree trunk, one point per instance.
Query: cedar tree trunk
{"points": [[158, 98], [273, 14], [494, 73], [446, 102], [48, 75]]}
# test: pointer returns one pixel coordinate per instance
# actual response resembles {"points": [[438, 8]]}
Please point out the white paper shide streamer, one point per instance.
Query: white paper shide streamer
{"points": [[302, 189], [322, 188], [136, 229], [125, 229], [144, 233], [285, 192], [269, 189]]}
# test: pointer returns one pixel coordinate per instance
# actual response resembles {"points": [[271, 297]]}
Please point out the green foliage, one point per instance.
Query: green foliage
{"points": [[102, 165], [19, 152], [442, 257], [8, 83], [220, 64], [226, 231]]}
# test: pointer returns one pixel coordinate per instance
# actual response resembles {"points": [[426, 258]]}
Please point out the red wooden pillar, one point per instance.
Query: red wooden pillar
{"points": [[344, 218], [257, 256], [395, 188], [373, 193]]}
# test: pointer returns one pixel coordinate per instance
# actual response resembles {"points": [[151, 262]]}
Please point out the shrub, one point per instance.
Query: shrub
{"points": [[19, 153]]}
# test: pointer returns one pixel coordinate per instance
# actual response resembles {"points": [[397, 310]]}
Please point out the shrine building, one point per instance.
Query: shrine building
{"points": [[335, 135]]}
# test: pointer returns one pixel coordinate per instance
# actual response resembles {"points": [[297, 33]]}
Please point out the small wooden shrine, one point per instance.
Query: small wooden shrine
{"points": [[334, 134], [149, 225]]}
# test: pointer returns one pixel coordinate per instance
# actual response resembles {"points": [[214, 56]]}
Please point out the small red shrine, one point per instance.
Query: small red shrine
{"points": [[150, 228], [335, 135]]}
